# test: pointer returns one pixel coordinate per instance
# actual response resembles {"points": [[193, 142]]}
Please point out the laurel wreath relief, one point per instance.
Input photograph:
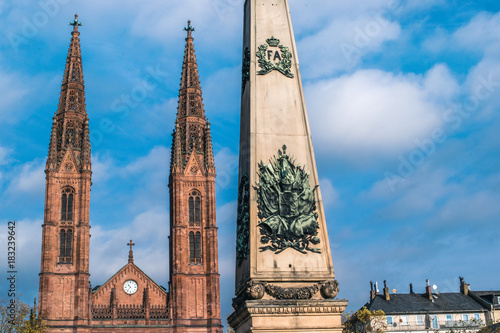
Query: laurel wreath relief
{"points": [[284, 66]]}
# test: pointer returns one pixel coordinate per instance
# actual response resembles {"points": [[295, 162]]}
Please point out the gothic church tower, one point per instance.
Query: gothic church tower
{"points": [[64, 273], [194, 276]]}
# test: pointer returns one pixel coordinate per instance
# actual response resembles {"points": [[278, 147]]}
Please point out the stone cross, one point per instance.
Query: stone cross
{"points": [[189, 29], [130, 253]]}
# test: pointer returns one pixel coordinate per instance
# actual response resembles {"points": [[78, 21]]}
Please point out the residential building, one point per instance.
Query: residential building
{"points": [[430, 311], [489, 299]]}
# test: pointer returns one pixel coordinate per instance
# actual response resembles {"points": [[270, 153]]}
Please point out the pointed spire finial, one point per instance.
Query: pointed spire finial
{"points": [[130, 253], [76, 23], [189, 29]]}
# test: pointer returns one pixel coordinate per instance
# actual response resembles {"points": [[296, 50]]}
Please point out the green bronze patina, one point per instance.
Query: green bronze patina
{"points": [[284, 64], [189, 28], [286, 206], [75, 22], [243, 221]]}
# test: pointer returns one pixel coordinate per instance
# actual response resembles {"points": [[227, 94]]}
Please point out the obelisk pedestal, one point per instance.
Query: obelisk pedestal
{"points": [[284, 272]]}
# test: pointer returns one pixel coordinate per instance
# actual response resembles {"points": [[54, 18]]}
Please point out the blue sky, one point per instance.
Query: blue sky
{"points": [[403, 100]]}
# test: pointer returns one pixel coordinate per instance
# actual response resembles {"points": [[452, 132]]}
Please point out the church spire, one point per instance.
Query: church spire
{"points": [[194, 270], [70, 126], [64, 273], [191, 136]]}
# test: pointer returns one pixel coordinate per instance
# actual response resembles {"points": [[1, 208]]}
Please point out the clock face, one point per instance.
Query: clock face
{"points": [[130, 287]]}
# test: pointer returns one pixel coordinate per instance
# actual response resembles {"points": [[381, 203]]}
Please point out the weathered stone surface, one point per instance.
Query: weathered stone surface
{"points": [[273, 114], [284, 274], [270, 316]]}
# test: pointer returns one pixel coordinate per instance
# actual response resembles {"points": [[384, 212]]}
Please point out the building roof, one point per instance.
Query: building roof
{"points": [[487, 292], [131, 264], [489, 296], [420, 303]]}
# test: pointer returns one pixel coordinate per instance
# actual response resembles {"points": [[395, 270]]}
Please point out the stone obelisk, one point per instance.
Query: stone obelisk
{"points": [[284, 272]]}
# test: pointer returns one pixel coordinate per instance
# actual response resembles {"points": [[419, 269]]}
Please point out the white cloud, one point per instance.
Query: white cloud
{"points": [[221, 100], [413, 5], [226, 165], [438, 41], [4, 152], [475, 36], [161, 118], [308, 14], [372, 112], [13, 91], [329, 194], [150, 175], [478, 34], [477, 210], [148, 230], [29, 242], [28, 253], [226, 214], [155, 162], [101, 166], [481, 88], [30, 180], [221, 20], [343, 42]]}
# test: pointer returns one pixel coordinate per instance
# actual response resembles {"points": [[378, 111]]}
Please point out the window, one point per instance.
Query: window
{"points": [[435, 323], [67, 204], [194, 208], [448, 320], [498, 299], [476, 316], [420, 320], [389, 320], [465, 317], [65, 245], [195, 247], [404, 320]]}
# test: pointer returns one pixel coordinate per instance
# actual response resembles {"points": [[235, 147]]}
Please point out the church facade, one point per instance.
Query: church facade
{"points": [[129, 301]]}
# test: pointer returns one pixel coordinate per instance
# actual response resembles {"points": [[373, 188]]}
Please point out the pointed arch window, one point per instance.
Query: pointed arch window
{"points": [[195, 247], [67, 198], [65, 245], [194, 208]]}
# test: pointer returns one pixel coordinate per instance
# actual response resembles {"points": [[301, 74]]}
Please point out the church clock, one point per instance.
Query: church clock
{"points": [[130, 287]]}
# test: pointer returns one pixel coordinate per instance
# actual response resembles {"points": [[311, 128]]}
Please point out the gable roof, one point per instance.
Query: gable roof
{"points": [[420, 303], [97, 288]]}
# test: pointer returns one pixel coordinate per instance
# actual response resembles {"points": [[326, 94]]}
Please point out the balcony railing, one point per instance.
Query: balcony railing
{"points": [[413, 325], [135, 312], [462, 323]]}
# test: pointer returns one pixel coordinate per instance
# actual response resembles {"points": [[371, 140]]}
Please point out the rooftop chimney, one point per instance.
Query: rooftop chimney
{"points": [[428, 291], [464, 287], [411, 288], [386, 292], [372, 291], [376, 288]]}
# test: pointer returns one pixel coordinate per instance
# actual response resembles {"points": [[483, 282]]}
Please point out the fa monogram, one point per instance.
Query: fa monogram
{"points": [[274, 56]]}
